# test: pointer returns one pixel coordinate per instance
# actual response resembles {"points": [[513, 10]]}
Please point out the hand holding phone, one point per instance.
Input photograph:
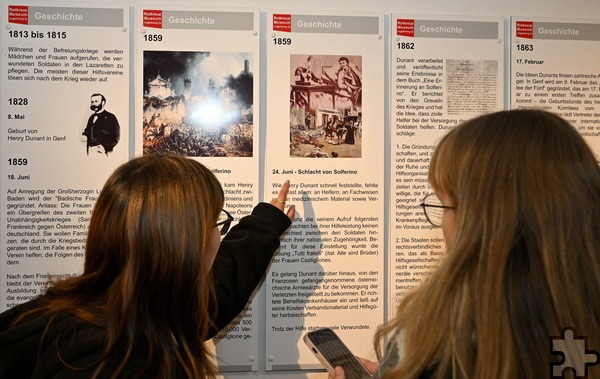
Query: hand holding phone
{"points": [[331, 352]]}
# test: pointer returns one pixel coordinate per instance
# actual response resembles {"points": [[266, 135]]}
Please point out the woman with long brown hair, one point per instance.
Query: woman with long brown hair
{"points": [[517, 194], [147, 298]]}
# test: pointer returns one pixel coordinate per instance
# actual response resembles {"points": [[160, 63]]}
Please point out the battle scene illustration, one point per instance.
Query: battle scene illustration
{"points": [[326, 106], [198, 104]]}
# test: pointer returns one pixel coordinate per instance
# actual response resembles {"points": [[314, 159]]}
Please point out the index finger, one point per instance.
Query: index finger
{"points": [[369, 365], [283, 192], [338, 373], [281, 198]]}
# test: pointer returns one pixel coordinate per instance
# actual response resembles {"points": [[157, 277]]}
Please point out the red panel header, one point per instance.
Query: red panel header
{"points": [[152, 18], [524, 29], [282, 23], [405, 28], [18, 14]]}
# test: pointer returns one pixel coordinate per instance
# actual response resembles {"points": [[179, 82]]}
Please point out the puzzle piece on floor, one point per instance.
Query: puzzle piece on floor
{"points": [[574, 353]]}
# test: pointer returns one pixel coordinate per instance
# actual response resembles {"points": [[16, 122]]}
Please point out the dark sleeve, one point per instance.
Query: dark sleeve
{"points": [[243, 258], [19, 344]]}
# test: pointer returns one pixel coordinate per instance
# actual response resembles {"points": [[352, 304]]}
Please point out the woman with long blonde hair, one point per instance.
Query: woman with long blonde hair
{"points": [[149, 295], [517, 194]]}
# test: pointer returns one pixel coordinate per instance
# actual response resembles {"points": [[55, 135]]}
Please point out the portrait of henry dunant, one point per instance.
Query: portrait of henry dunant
{"points": [[102, 131]]}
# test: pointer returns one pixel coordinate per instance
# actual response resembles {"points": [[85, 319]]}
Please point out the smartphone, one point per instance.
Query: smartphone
{"points": [[331, 352]]}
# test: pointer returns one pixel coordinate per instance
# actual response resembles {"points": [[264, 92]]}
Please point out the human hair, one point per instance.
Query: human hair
{"points": [[102, 98], [146, 276], [525, 259], [343, 59]]}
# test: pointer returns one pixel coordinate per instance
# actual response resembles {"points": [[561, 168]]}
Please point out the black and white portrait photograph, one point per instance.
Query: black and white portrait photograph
{"points": [[102, 131]]}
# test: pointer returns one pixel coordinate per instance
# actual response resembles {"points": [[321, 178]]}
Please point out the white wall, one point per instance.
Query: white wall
{"points": [[578, 9]]}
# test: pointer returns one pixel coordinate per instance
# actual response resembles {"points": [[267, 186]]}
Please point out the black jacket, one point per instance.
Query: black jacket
{"points": [[105, 131], [243, 258]]}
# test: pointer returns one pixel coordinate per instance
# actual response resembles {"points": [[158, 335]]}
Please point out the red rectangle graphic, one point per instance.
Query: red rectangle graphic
{"points": [[282, 23], [405, 28], [524, 29], [18, 14], [152, 18]]}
